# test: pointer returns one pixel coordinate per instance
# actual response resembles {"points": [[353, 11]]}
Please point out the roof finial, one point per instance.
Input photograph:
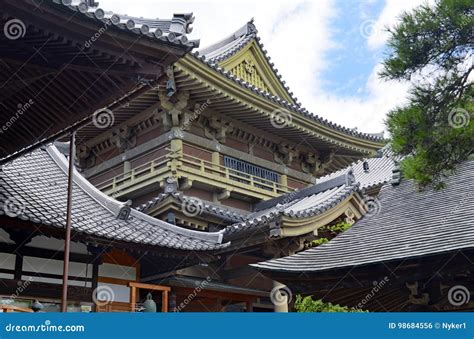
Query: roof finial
{"points": [[396, 174], [251, 27]]}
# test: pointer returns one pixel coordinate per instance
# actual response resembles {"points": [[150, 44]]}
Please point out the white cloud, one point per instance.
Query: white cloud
{"points": [[298, 36], [387, 18]]}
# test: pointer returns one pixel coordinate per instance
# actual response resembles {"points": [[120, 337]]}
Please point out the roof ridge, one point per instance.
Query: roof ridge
{"points": [[248, 33]]}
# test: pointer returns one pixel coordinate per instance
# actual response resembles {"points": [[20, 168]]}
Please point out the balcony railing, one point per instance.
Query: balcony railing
{"points": [[195, 169], [138, 175], [227, 175]]}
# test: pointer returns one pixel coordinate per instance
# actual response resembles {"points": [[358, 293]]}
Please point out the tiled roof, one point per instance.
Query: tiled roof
{"points": [[379, 169], [37, 185], [205, 207], [172, 31], [229, 46], [409, 223], [306, 203], [283, 103]]}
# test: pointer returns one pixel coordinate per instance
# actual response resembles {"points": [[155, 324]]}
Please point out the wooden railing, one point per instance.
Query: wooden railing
{"points": [[197, 168], [137, 175], [207, 168], [11, 308]]}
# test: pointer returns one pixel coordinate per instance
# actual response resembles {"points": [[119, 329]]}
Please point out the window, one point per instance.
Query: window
{"points": [[245, 167]]}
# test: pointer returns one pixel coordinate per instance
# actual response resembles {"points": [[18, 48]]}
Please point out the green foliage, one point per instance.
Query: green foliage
{"points": [[319, 241], [307, 304], [334, 229], [430, 46], [339, 227]]}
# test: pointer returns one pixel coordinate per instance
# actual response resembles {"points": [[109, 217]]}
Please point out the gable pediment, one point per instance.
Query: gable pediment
{"points": [[251, 65]]}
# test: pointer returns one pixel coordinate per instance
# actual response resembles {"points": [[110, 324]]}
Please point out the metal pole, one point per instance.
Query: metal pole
{"points": [[67, 240]]}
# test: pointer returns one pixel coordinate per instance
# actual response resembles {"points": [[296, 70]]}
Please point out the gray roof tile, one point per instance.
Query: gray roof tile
{"points": [[37, 184], [308, 202], [172, 31], [409, 223]]}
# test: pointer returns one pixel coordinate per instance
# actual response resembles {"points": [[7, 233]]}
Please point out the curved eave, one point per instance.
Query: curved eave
{"points": [[292, 226], [226, 86]]}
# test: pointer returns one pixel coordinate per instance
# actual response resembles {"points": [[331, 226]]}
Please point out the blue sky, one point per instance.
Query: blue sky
{"points": [[328, 51], [353, 61]]}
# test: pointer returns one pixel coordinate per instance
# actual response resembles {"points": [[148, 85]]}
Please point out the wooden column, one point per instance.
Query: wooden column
{"points": [[18, 265], [249, 307], [164, 301], [284, 180], [215, 159]]}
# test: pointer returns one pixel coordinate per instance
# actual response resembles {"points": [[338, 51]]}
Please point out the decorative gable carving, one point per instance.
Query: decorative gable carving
{"points": [[247, 71], [252, 65]]}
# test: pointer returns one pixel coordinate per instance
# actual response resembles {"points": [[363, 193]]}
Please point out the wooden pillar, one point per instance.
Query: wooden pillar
{"points": [[133, 298], [284, 180], [249, 306], [164, 301], [18, 266], [215, 159], [127, 166]]}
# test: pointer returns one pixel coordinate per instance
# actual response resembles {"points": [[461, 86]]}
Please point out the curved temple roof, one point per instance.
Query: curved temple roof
{"points": [[34, 188], [172, 30], [307, 203], [378, 172], [230, 45], [409, 223], [227, 47]]}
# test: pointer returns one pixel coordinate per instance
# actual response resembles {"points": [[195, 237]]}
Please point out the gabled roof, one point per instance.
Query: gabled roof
{"points": [[203, 207], [226, 53], [172, 30], [380, 169], [303, 207], [409, 224], [34, 188]]}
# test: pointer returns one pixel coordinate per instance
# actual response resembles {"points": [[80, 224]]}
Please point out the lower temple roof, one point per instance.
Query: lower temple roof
{"points": [[409, 223], [34, 188]]}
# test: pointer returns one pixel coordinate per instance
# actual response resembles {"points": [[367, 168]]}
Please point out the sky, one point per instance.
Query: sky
{"points": [[329, 52]]}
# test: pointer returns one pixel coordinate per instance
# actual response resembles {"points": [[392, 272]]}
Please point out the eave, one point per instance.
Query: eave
{"points": [[241, 102]]}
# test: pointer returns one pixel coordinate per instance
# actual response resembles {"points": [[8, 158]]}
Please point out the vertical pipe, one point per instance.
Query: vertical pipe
{"points": [[67, 241]]}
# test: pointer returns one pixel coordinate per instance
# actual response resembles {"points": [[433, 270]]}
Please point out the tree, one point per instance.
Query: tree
{"points": [[433, 48]]}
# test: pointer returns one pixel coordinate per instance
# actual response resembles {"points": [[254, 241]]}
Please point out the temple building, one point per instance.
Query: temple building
{"points": [[204, 188]]}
